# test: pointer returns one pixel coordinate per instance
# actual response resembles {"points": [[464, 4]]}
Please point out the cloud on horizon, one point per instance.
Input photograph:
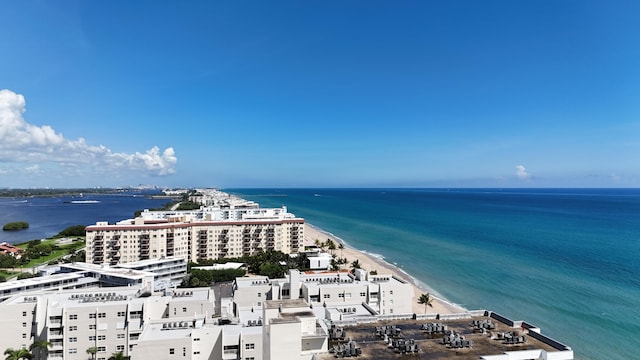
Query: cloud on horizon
{"points": [[21, 142], [521, 173]]}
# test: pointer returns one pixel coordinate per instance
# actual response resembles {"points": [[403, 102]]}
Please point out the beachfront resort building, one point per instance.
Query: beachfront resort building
{"points": [[155, 274], [303, 316], [207, 233], [340, 294]]}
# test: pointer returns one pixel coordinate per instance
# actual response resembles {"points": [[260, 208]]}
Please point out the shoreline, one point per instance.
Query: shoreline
{"points": [[370, 261]]}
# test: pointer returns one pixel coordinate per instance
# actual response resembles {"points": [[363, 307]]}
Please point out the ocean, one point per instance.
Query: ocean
{"points": [[566, 260]]}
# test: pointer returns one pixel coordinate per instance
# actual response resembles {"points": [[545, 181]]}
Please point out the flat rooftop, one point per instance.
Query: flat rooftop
{"points": [[431, 345]]}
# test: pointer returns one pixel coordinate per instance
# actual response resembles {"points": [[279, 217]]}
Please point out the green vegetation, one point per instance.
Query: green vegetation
{"points": [[17, 354], [166, 206], [188, 205], [273, 264], [203, 278], [427, 300], [71, 231], [18, 225], [37, 252], [118, 356]]}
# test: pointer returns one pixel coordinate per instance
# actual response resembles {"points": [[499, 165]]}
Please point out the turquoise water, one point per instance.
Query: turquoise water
{"points": [[565, 260]]}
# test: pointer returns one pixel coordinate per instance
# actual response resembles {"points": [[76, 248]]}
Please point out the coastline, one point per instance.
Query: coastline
{"points": [[376, 262]]}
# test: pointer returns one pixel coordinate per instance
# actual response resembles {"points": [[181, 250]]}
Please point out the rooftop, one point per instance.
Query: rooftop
{"points": [[431, 345]]}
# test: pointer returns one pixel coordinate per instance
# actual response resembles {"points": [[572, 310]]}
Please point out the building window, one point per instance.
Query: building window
{"points": [[73, 339], [120, 348], [184, 309], [120, 336], [92, 326], [73, 351], [24, 313], [363, 294], [172, 351], [24, 336], [249, 346], [121, 313], [102, 348], [390, 292], [341, 295], [73, 317], [196, 339], [102, 315], [92, 316], [24, 324], [259, 294], [73, 328], [92, 338], [102, 337], [326, 296]]}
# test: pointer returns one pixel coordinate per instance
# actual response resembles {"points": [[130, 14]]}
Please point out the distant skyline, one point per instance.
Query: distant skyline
{"points": [[320, 94]]}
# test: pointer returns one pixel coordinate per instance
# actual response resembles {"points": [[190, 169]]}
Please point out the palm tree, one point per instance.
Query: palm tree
{"points": [[331, 245], [42, 346], [92, 351], [341, 247], [18, 354], [118, 356], [355, 264], [427, 300]]}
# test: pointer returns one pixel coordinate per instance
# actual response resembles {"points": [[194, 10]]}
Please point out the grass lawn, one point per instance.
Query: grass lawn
{"points": [[62, 251]]}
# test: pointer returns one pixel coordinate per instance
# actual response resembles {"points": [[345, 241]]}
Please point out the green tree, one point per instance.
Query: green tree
{"points": [[272, 270], [426, 300], [355, 264], [17, 354], [92, 351], [335, 265], [118, 356], [341, 247], [76, 230], [331, 245], [41, 347]]}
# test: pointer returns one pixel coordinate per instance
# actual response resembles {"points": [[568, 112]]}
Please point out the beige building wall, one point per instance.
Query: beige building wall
{"points": [[193, 241]]}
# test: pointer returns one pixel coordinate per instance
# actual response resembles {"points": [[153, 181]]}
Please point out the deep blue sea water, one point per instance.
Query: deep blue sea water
{"points": [[47, 216], [566, 260]]}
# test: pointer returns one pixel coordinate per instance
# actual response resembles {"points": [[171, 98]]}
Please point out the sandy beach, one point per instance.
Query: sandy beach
{"points": [[369, 263]]}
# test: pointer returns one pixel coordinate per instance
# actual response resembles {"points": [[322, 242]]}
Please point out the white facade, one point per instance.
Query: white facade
{"points": [[346, 292], [183, 324], [112, 320]]}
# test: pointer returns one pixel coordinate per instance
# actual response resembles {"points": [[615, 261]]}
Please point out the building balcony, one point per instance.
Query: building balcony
{"points": [[55, 334]]}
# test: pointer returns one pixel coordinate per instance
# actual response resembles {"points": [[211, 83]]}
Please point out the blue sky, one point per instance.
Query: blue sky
{"points": [[320, 93]]}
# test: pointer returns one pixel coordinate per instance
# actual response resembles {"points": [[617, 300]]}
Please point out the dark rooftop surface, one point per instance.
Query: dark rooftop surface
{"points": [[431, 345]]}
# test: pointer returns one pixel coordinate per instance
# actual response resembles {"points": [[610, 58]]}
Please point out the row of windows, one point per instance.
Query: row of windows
{"points": [[104, 315]]}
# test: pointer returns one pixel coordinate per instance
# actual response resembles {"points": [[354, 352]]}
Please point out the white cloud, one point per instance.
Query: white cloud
{"points": [[521, 172], [24, 142]]}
